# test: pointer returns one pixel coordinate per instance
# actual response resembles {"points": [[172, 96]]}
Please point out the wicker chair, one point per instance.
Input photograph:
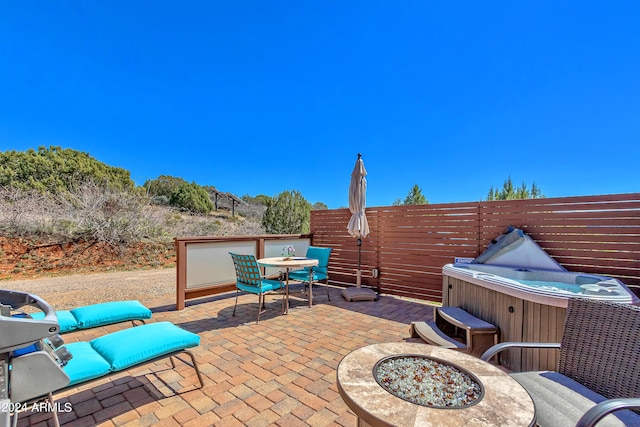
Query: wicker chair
{"points": [[598, 371]]}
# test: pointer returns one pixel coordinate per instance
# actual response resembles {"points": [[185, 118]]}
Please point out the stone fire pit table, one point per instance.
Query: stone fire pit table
{"points": [[503, 403]]}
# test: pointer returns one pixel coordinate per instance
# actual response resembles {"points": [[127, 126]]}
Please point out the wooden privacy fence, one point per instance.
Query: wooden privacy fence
{"points": [[409, 245]]}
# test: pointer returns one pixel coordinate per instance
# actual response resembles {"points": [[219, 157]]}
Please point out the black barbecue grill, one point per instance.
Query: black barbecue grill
{"points": [[31, 356]]}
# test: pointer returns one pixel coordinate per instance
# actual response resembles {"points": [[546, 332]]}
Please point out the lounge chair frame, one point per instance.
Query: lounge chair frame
{"points": [[171, 356]]}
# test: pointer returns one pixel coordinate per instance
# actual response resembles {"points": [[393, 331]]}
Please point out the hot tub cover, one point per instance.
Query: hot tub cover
{"points": [[515, 248]]}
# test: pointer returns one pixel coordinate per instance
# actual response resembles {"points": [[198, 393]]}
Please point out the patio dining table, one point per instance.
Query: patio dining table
{"points": [[288, 264]]}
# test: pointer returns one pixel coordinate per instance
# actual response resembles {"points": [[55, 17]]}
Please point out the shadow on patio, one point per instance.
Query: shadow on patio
{"points": [[281, 371]]}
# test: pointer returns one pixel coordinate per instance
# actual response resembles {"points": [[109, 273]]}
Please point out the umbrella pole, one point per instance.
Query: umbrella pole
{"points": [[358, 293], [359, 272]]}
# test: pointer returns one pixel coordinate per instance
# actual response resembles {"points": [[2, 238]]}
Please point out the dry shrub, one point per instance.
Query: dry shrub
{"points": [[182, 224], [95, 213], [26, 213]]}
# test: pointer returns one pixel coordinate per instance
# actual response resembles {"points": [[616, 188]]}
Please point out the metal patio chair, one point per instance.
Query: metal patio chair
{"points": [[318, 273], [250, 279]]}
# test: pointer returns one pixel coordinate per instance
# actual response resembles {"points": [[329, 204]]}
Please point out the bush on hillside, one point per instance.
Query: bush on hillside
{"points": [[287, 213], [55, 169], [191, 197], [163, 186], [260, 199], [179, 193]]}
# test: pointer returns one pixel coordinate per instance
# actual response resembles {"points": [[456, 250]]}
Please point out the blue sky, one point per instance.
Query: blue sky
{"points": [[258, 97]]}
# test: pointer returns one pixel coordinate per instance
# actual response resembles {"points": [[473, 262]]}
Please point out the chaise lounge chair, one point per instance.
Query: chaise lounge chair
{"points": [[35, 362], [124, 349], [92, 316]]}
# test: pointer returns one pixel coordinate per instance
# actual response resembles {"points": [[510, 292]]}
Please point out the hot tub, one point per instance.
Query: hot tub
{"points": [[519, 288], [542, 286]]}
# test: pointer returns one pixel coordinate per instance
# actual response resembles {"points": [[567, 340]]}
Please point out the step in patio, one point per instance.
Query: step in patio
{"points": [[429, 332], [479, 334]]}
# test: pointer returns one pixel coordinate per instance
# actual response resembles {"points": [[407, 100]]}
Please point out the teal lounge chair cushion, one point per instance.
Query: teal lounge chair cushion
{"points": [[86, 364], [123, 349], [106, 313], [132, 346], [102, 314], [65, 319]]}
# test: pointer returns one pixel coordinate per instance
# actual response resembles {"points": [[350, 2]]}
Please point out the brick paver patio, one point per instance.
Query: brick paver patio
{"points": [[280, 372]]}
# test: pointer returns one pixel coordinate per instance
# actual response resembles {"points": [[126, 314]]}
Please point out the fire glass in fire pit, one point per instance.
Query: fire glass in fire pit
{"points": [[428, 381]]}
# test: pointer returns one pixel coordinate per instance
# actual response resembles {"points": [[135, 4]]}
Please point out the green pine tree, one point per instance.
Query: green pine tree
{"points": [[509, 192], [287, 213], [414, 197]]}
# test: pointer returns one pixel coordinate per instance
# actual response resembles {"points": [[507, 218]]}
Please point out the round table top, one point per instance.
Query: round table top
{"points": [[288, 262], [505, 401]]}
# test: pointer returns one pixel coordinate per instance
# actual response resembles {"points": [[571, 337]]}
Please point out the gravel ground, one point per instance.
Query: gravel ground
{"points": [[67, 292]]}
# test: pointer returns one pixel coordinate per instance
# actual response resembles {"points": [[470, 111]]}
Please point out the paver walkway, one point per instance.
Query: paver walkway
{"points": [[279, 372]]}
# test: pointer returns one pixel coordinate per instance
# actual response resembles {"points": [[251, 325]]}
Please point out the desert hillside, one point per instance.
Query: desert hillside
{"points": [[23, 258]]}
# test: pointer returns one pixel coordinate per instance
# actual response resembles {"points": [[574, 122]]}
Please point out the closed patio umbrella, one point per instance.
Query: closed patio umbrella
{"points": [[358, 227]]}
